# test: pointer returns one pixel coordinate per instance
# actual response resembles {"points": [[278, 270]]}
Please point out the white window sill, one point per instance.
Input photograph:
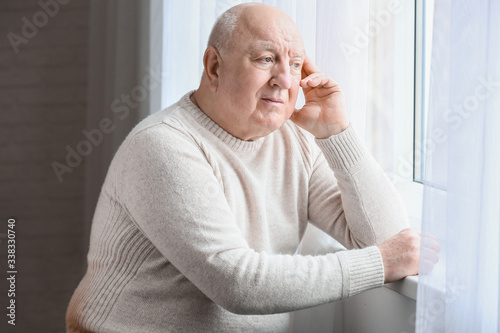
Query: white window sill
{"points": [[407, 286]]}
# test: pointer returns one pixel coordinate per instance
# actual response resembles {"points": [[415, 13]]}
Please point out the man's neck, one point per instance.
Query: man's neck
{"points": [[193, 99], [203, 102]]}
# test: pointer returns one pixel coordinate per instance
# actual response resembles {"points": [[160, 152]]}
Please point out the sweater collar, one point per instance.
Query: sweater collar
{"points": [[204, 120]]}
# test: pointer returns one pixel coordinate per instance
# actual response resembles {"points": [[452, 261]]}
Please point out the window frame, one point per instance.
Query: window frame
{"points": [[407, 101]]}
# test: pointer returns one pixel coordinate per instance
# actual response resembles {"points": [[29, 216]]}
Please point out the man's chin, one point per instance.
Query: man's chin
{"points": [[277, 123]]}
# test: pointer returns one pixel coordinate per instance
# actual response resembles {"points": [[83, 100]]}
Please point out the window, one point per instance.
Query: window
{"points": [[413, 41], [424, 13]]}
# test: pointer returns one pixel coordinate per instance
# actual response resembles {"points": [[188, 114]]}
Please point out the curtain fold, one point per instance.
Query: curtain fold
{"points": [[462, 171]]}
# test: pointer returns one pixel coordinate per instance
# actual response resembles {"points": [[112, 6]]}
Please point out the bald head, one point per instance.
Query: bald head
{"points": [[252, 70], [237, 21]]}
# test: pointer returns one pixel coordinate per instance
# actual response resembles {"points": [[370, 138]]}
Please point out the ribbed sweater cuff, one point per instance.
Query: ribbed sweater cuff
{"points": [[365, 270], [344, 150]]}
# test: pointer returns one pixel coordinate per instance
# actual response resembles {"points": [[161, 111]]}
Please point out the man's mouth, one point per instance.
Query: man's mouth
{"points": [[272, 100]]}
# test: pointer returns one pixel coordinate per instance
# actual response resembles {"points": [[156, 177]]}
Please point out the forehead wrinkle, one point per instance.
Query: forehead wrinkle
{"points": [[266, 46]]}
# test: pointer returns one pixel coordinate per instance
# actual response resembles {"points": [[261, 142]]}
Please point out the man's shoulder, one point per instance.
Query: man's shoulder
{"points": [[159, 141], [156, 142], [172, 121], [170, 118], [164, 134]]}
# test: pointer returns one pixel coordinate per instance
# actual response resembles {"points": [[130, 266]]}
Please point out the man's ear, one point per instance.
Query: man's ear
{"points": [[211, 62]]}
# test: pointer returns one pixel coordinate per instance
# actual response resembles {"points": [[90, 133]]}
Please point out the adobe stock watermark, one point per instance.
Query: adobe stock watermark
{"points": [[372, 28], [49, 8], [94, 137], [454, 118]]}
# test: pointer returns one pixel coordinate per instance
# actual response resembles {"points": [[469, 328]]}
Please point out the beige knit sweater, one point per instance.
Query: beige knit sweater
{"points": [[197, 231]]}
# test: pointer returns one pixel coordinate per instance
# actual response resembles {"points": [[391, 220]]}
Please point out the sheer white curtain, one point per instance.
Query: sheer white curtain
{"points": [[462, 170], [352, 41]]}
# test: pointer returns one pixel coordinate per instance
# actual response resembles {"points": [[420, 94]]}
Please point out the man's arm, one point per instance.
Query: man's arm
{"points": [[371, 208], [364, 209], [350, 197]]}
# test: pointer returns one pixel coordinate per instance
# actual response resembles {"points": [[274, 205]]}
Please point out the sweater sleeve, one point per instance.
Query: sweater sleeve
{"points": [[170, 192], [356, 203]]}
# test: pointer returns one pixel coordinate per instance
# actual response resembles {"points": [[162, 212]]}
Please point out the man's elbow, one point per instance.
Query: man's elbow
{"points": [[243, 299], [239, 304]]}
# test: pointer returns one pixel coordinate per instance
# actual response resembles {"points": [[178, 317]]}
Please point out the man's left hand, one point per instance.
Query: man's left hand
{"points": [[324, 113]]}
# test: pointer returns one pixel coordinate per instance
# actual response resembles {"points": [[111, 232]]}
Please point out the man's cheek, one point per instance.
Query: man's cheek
{"points": [[294, 92], [290, 108]]}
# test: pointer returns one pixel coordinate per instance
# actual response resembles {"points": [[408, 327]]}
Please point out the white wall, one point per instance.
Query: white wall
{"points": [[380, 310]]}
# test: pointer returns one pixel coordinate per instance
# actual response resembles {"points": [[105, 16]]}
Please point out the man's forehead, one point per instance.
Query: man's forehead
{"points": [[270, 30], [294, 48]]}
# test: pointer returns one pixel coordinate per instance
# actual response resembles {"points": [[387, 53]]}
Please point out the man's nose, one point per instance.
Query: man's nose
{"points": [[281, 76]]}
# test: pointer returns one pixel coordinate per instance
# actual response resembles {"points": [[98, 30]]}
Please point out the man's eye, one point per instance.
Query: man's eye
{"points": [[267, 59], [296, 65]]}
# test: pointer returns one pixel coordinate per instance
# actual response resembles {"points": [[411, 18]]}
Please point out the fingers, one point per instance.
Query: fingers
{"points": [[430, 242], [313, 77], [430, 253], [426, 267], [309, 67], [318, 80], [429, 258], [408, 252]]}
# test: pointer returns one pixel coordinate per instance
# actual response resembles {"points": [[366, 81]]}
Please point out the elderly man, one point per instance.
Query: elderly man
{"points": [[206, 202]]}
